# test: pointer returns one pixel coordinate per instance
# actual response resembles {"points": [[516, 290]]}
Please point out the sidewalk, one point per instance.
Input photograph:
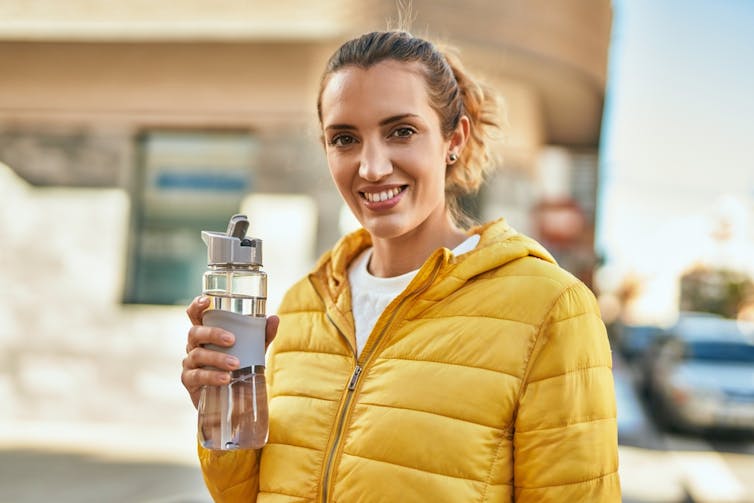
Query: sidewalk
{"points": [[96, 462], [647, 472], [32, 476]]}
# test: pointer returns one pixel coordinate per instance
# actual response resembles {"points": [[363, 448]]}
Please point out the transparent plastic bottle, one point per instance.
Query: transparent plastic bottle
{"points": [[234, 416]]}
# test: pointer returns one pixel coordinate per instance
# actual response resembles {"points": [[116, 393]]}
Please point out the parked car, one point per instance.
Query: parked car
{"points": [[634, 340], [700, 375], [644, 360]]}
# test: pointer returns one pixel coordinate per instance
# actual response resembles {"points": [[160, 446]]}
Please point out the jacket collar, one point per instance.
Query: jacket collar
{"points": [[498, 245]]}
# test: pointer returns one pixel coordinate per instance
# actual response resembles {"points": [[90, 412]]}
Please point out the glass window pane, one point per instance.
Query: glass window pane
{"points": [[190, 181]]}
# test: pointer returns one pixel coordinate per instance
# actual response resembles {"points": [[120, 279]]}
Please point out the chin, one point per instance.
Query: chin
{"points": [[385, 228]]}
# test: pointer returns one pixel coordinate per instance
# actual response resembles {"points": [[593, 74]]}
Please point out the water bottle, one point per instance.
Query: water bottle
{"points": [[234, 416]]}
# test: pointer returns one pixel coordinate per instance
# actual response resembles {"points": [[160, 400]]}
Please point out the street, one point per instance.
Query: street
{"points": [[661, 467]]}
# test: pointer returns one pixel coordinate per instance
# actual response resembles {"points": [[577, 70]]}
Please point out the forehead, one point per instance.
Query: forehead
{"points": [[384, 89]]}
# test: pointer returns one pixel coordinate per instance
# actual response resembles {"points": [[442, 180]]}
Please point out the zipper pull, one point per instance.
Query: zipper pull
{"points": [[354, 378]]}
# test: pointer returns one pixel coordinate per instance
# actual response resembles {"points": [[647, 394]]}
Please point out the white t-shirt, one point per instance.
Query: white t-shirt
{"points": [[370, 295]]}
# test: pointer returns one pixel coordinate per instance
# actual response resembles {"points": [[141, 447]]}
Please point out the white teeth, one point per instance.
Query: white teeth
{"points": [[384, 195]]}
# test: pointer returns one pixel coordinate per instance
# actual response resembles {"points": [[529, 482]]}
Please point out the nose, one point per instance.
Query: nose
{"points": [[375, 163]]}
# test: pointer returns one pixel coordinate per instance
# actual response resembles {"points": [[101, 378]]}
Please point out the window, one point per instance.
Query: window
{"points": [[188, 182]]}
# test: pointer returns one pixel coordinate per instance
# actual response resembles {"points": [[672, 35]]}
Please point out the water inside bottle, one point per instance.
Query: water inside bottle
{"points": [[243, 425]]}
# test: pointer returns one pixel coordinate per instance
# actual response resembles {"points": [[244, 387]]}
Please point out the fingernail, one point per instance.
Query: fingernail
{"points": [[227, 338], [203, 300], [232, 361]]}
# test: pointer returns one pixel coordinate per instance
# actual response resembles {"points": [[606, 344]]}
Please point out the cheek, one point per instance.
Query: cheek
{"points": [[341, 175], [429, 164], [432, 177], [438, 186]]}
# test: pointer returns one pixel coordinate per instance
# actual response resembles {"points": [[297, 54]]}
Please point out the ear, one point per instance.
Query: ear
{"points": [[459, 136]]}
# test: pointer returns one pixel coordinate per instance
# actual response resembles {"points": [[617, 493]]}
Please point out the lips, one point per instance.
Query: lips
{"points": [[383, 199], [383, 195]]}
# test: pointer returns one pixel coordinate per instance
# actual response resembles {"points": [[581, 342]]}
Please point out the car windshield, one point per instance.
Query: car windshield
{"points": [[720, 352], [710, 328]]}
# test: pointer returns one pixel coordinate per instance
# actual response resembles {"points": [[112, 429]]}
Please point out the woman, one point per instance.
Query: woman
{"points": [[420, 361]]}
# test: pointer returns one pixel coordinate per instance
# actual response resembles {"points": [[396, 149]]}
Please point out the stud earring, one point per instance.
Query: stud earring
{"points": [[452, 157]]}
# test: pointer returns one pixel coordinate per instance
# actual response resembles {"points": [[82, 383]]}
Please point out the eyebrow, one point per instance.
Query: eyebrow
{"points": [[383, 122]]}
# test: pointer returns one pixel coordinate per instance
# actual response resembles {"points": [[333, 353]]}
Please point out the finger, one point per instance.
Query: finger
{"points": [[202, 357], [194, 379], [271, 330], [197, 308], [199, 335]]}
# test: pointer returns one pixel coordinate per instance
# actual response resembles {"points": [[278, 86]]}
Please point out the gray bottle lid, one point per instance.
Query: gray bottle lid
{"points": [[233, 247]]}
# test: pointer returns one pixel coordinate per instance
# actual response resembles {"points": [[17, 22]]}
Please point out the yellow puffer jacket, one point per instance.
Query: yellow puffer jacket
{"points": [[487, 380]]}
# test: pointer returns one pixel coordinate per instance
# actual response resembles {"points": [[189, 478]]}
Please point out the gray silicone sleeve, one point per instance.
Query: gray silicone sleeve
{"points": [[248, 330]]}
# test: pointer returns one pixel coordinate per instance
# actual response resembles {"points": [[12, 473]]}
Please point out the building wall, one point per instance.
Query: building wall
{"points": [[71, 113], [221, 84]]}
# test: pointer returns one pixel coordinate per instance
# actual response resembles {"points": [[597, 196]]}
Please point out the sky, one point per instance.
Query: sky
{"points": [[678, 137], [677, 152]]}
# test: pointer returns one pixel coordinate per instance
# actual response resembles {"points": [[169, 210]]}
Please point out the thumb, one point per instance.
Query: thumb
{"points": [[271, 330]]}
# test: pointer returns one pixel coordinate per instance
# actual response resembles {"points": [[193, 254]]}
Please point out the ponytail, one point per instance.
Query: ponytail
{"points": [[483, 107]]}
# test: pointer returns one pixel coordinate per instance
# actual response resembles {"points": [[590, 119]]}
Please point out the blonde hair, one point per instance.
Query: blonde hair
{"points": [[453, 93]]}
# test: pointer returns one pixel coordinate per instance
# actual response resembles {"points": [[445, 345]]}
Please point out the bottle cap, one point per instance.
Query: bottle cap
{"points": [[233, 247]]}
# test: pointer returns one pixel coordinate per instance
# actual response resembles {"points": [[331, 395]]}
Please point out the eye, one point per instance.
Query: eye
{"points": [[342, 140], [403, 132]]}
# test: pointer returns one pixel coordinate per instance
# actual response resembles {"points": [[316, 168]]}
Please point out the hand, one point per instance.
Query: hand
{"points": [[194, 374]]}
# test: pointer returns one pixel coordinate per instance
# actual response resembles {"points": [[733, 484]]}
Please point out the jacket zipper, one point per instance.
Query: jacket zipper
{"points": [[341, 415], [339, 431], [353, 381]]}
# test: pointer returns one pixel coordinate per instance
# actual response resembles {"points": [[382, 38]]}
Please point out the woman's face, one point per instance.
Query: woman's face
{"points": [[385, 150]]}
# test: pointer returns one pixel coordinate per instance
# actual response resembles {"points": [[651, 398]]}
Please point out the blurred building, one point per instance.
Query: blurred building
{"points": [[188, 106], [128, 127]]}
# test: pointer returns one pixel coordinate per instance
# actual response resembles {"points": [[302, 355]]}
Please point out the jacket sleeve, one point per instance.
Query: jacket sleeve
{"points": [[565, 436], [230, 476]]}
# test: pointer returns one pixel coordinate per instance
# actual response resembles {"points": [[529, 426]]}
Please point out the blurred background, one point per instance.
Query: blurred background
{"points": [[128, 127]]}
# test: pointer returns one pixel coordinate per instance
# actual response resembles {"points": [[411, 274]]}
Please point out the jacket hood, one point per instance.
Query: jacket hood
{"points": [[498, 245]]}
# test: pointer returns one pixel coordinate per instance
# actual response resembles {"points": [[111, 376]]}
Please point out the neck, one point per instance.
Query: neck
{"points": [[395, 256]]}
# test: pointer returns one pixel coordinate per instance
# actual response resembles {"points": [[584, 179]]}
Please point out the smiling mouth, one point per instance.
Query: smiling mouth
{"points": [[384, 195]]}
